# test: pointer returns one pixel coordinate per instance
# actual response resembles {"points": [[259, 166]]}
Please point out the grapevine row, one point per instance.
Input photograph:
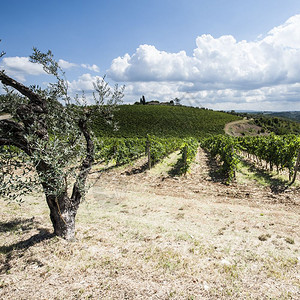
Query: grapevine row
{"points": [[279, 151], [188, 153], [158, 148], [226, 148], [121, 150]]}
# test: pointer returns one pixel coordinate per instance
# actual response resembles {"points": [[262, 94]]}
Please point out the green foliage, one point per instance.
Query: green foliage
{"points": [[280, 151], [163, 121], [188, 153], [225, 148], [278, 125], [51, 133], [120, 150], [124, 150], [285, 115], [16, 174], [161, 147]]}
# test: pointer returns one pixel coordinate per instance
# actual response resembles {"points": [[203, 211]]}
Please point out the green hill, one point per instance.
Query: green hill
{"points": [[179, 121], [291, 115]]}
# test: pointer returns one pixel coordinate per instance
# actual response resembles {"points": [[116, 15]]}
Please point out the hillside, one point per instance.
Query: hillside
{"points": [[179, 121], [292, 115], [243, 128], [279, 123]]}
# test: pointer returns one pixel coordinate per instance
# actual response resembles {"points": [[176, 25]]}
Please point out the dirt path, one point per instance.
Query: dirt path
{"points": [[228, 126], [243, 127]]}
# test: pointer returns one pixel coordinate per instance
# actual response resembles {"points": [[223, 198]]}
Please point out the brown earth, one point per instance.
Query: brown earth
{"points": [[148, 235], [242, 128]]}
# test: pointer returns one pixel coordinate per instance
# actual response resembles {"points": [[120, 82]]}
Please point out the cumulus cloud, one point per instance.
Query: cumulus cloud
{"points": [[248, 69], [84, 86], [83, 83], [65, 64], [20, 66], [149, 64], [93, 67]]}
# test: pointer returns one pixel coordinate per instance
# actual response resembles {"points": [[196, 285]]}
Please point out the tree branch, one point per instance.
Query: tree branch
{"points": [[29, 113], [14, 135], [25, 91], [86, 163]]}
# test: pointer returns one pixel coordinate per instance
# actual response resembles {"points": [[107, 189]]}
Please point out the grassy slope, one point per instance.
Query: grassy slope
{"points": [[180, 121]]}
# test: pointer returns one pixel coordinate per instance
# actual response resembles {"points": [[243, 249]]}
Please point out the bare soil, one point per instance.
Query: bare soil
{"points": [[149, 235], [242, 128]]}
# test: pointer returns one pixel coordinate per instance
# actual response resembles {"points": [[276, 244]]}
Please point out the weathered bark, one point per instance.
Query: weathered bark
{"points": [[14, 136], [63, 209], [62, 215], [38, 102]]}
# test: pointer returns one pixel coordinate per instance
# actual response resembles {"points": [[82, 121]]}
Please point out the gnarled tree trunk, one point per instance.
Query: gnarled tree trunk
{"points": [[62, 215], [63, 208]]}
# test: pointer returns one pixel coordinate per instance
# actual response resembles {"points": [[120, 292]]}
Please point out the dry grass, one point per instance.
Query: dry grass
{"points": [[145, 236]]}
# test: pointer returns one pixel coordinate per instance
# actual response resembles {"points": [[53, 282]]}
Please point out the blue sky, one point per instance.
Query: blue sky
{"points": [[220, 54]]}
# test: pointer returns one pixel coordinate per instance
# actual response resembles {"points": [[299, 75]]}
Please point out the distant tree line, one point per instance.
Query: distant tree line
{"points": [[175, 101]]}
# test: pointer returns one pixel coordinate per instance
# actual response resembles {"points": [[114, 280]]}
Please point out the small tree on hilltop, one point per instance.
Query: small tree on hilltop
{"points": [[42, 133], [143, 100], [177, 101]]}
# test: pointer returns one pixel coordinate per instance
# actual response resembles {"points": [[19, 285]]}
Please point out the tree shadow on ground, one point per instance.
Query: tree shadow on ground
{"points": [[43, 234], [14, 226], [23, 225], [277, 185]]}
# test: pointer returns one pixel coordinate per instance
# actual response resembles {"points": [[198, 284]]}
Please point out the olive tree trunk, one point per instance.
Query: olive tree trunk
{"points": [[62, 216]]}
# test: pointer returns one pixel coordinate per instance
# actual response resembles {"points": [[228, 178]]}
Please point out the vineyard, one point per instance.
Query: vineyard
{"points": [[268, 151], [157, 131], [146, 232], [163, 121], [123, 150], [166, 217]]}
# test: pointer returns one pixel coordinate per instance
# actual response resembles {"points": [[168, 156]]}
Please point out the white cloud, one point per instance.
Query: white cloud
{"points": [[83, 83], [19, 67], [65, 64], [220, 69], [93, 67], [150, 64]]}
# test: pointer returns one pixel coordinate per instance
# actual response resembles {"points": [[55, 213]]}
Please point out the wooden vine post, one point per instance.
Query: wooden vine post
{"points": [[184, 158], [296, 167], [148, 153]]}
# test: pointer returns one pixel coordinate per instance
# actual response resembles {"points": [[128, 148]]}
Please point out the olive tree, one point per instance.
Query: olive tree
{"points": [[46, 135]]}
